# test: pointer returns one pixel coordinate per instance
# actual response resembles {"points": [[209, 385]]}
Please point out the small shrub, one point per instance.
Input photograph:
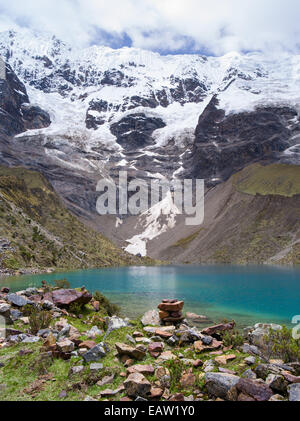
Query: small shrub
{"points": [[75, 308], [281, 344], [39, 320], [110, 308], [176, 369], [62, 284], [233, 338]]}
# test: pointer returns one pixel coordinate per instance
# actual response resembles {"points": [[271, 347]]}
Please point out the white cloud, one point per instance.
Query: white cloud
{"points": [[218, 26]]}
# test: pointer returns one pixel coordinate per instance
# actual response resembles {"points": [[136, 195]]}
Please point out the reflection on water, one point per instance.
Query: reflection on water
{"points": [[246, 294]]}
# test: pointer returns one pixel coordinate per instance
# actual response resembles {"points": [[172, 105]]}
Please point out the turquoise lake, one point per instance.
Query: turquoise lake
{"points": [[246, 294]]}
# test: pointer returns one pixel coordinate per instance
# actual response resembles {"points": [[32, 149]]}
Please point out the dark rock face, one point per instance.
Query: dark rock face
{"points": [[135, 131], [16, 115], [34, 117], [225, 144]]}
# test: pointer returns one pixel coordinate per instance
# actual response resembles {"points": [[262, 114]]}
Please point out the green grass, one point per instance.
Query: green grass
{"points": [[275, 179], [184, 242]]}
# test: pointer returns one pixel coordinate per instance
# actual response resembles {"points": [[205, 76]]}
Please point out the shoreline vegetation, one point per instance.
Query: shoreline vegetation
{"points": [[63, 344]]}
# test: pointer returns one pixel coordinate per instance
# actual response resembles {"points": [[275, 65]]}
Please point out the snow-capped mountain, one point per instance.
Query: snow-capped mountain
{"points": [[156, 116]]}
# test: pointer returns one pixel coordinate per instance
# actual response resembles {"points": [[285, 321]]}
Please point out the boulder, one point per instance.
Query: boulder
{"points": [[17, 300], [215, 345], [155, 348], [115, 323], [94, 332], [87, 344], [188, 380], [212, 330], [219, 384], [65, 297], [95, 353], [255, 389], [223, 359], [294, 392], [130, 351], [142, 369], [277, 383], [151, 318], [95, 367], [137, 385], [257, 336], [65, 346]]}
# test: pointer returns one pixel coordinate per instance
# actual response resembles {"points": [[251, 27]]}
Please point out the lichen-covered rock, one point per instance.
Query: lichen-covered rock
{"points": [[137, 385], [219, 384], [151, 318]]}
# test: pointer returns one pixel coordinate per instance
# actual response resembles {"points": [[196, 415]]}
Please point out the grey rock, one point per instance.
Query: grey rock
{"points": [[249, 374], [64, 332], [151, 318], [43, 333], [89, 399], [31, 340], [250, 349], [4, 308], [277, 383], [130, 339], [77, 369], [15, 314], [250, 360], [172, 341], [30, 291], [96, 367], [207, 340], [219, 384], [294, 392], [17, 300], [94, 331], [48, 305], [95, 353]]}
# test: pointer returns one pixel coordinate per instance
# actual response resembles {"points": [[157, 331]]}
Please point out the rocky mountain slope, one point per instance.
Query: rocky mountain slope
{"points": [[252, 218], [158, 117], [38, 232]]}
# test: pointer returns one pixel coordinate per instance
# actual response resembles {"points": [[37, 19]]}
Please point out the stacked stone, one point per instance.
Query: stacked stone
{"points": [[170, 311]]}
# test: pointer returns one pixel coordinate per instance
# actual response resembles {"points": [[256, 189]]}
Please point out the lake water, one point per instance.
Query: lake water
{"points": [[245, 294]]}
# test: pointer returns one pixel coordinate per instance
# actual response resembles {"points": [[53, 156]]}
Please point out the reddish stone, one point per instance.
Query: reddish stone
{"points": [[155, 348], [5, 290], [198, 363], [179, 397], [156, 393], [172, 307], [256, 390], [142, 369], [125, 399], [218, 328], [65, 297], [87, 344], [163, 334], [163, 314], [290, 378]]}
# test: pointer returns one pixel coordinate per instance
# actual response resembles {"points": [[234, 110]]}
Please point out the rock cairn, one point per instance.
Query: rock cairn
{"points": [[170, 311]]}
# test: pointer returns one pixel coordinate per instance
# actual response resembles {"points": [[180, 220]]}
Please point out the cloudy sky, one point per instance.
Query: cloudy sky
{"points": [[168, 26]]}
